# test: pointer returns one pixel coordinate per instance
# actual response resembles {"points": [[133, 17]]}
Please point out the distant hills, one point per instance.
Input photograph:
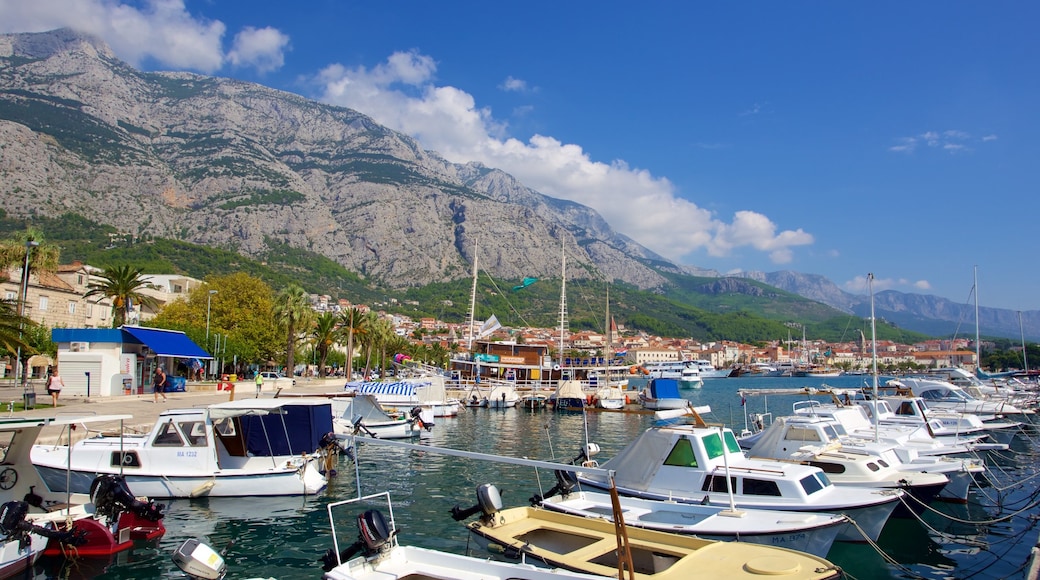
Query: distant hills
{"points": [[263, 173]]}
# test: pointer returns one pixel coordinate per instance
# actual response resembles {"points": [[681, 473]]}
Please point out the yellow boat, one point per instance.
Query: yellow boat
{"points": [[592, 546]]}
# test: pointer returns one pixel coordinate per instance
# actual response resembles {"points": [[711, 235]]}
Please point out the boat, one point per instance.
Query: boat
{"points": [[37, 520], [939, 394], [812, 533], [612, 548], [248, 447], [819, 430], [609, 398], [363, 415], [569, 396], [684, 371], [798, 439], [377, 554], [662, 394], [428, 392], [688, 464], [706, 370], [534, 401]]}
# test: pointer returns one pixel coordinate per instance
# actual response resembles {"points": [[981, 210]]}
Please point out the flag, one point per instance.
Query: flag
{"points": [[527, 282], [490, 325]]}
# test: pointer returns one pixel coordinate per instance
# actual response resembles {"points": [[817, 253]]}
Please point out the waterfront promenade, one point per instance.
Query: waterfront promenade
{"points": [[141, 407]]}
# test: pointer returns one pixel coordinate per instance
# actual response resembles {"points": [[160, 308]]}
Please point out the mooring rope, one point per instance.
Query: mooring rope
{"points": [[884, 555]]}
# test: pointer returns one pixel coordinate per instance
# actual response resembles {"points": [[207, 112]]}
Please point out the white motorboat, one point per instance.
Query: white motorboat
{"points": [[800, 439], [37, 520], [944, 395], [427, 391], [689, 463], [363, 415], [248, 447], [662, 395], [812, 533], [706, 370], [609, 398]]}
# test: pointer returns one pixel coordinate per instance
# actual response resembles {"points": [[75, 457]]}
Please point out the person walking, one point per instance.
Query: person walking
{"points": [[54, 386], [259, 383], [159, 385]]}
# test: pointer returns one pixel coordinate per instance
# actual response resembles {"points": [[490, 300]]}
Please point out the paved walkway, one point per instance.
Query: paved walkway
{"points": [[144, 410]]}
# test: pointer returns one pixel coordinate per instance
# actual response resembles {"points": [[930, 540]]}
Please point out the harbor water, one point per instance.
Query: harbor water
{"points": [[284, 538]]}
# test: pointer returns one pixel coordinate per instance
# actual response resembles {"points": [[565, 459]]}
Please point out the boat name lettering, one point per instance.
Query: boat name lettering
{"points": [[187, 454], [790, 538]]}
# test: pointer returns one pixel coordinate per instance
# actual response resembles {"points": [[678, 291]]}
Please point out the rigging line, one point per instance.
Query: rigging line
{"points": [[960, 520], [884, 555], [984, 566]]}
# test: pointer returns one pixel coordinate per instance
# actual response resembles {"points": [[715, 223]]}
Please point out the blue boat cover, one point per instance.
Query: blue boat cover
{"points": [[166, 342], [303, 428], [664, 388]]}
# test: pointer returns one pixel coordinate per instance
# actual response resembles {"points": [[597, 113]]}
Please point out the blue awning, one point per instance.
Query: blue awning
{"points": [[166, 342]]}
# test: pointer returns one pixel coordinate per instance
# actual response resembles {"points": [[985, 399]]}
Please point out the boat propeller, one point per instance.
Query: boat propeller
{"points": [[373, 534], [111, 496], [489, 502]]}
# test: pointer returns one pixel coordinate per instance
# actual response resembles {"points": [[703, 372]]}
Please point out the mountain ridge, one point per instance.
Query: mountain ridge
{"points": [[236, 165]]}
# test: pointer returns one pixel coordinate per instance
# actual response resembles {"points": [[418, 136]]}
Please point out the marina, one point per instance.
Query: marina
{"points": [[285, 537]]}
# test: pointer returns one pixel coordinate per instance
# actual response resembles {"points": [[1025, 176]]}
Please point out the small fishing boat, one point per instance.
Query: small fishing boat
{"points": [[610, 548], [37, 520], [238, 448], [609, 398]]}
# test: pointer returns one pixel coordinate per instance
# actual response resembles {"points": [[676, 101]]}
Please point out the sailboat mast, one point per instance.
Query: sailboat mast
{"points": [[873, 353], [610, 336], [1021, 330], [472, 301], [978, 346], [563, 300]]}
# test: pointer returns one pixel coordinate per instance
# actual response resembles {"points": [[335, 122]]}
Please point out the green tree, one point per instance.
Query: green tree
{"points": [[123, 284], [43, 257], [325, 333], [12, 338], [351, 321], [239, 311], [292, 311]]}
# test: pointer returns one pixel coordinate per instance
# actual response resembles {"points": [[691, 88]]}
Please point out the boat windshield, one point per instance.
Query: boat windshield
{"points": [[713, 444]]}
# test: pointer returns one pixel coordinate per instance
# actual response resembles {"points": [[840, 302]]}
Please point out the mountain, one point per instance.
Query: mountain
{"points": [[927, 314], [236, 165], [243, 167]]}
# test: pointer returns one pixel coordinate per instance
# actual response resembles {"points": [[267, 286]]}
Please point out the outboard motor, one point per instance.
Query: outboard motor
{"points": [[198, 560], [565, 482], [373, 534], [15, 526], [111, 496], [359, 426], [489, 502], [417, 417]]}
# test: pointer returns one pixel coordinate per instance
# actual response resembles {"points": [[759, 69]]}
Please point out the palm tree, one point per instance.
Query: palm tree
{"points": [[42, 258], [352, 320], [11, 326], [292, 311], [123, 284], [325, 333]]}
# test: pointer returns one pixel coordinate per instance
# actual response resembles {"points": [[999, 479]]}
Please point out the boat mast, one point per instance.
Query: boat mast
{"points": [[472, 300], [873, 353], [978, 346], [563, 302], [610, 336], [1025, 362]]}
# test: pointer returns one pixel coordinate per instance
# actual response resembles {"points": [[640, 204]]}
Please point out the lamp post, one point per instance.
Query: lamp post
{"points": [[209, 298], [29, 245]]}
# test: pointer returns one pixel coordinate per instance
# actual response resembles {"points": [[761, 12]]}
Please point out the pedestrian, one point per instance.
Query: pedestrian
{"points": [[259, 383], [159, 385], [54, 386]]}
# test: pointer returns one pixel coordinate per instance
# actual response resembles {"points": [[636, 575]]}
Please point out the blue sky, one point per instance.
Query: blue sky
{"points": [[831, 138]]}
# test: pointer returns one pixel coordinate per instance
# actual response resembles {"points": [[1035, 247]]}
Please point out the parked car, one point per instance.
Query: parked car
{"points": [[276, 381]]}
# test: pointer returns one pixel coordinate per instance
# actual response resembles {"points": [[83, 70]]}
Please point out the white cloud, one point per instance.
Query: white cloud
{"points": [[950, 140], [858, 285], [988, 138], [402, 94], [513, 85], [158, 30], [262, 49]]}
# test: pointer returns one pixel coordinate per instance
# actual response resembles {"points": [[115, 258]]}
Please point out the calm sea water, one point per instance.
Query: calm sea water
{"points": [[285, 537]]}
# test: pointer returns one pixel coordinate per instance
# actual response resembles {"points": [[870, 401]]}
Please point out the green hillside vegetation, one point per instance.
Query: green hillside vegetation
{"points": [[702, 308]]}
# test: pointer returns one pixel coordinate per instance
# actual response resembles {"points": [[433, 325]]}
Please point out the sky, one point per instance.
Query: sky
{"points": [[831, 138]]}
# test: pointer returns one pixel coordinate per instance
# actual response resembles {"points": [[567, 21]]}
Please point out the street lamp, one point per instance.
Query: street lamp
{"points": [[29, 245], [209, 299]]}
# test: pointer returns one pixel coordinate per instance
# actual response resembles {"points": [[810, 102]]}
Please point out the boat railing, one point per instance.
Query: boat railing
{"points": [[746, 469]]}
